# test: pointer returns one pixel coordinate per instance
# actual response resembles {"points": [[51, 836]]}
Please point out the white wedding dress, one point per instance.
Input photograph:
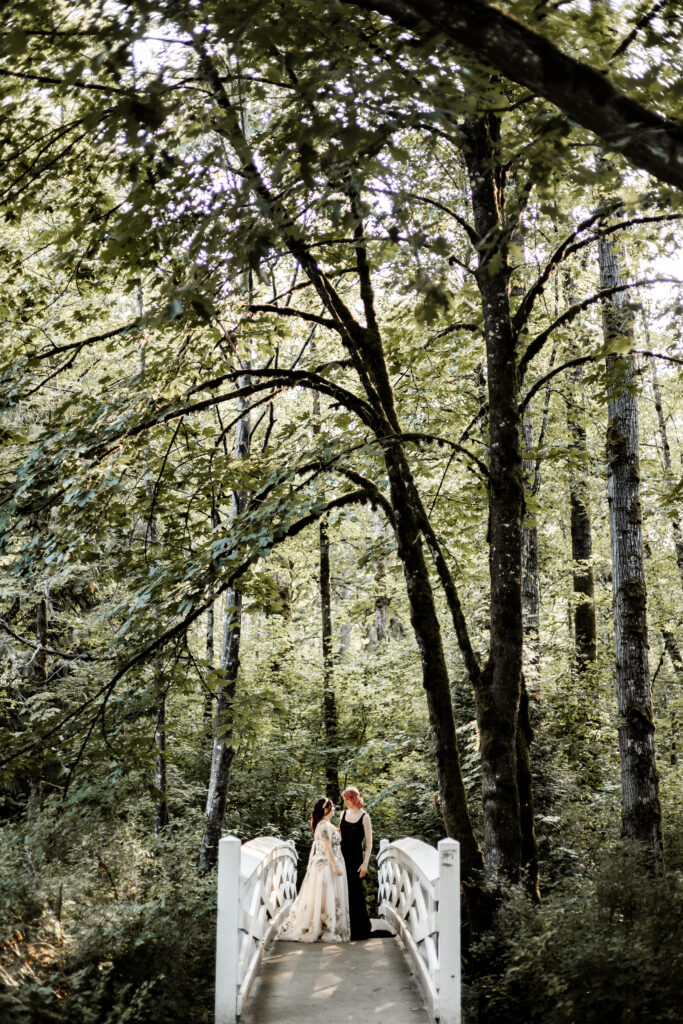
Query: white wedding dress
{"points": [[320, 913]]}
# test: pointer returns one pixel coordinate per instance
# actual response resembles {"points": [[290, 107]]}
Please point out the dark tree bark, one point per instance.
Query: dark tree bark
{"points": [[585, 629], [329, 701], [161, 817], [484, 32], [223, 750], [641, 813], [435, 680], [381, 617], [210, 655], [499, 688], [674, 652], [330, 718]]}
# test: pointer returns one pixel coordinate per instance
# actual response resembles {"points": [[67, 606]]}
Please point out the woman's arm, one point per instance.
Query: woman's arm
{"points": [[367, 828]]}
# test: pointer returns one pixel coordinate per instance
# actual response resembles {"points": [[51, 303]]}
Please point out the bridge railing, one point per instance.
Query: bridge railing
{"points": [[419, 896], [256, 885]]}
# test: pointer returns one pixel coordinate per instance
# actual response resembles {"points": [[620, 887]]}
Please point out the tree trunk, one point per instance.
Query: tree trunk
{"points": [[585, 629], [161, 807], [330, 718], [499, 690], [435, 680], [673, 650], [40, 684], [381, 618], [530, 580], [666, 455], [641, 814], [223, 750], [161, 817], [329, 702], [210, 627]]}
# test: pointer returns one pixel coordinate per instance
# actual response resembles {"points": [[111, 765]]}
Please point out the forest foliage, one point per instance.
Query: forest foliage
{"points": [[225, 214]]}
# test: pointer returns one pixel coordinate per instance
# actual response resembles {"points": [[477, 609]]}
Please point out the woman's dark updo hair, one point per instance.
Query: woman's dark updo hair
{"points": [[320, 809]]}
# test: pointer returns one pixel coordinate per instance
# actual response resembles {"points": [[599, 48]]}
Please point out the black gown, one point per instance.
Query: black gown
{"points": [[352, 835]]}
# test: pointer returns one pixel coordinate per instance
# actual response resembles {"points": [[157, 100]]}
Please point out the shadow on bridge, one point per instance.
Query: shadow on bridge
{"points": [[327, 983]]}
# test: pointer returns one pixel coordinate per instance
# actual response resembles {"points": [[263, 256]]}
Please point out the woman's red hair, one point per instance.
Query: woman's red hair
{"points": [[353, 796]]}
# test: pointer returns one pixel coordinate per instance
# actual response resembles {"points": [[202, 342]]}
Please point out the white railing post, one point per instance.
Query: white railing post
{"points": [[448, 1009], [227, 930]]}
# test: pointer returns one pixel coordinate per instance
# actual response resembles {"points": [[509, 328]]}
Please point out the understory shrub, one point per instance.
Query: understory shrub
{"points": [[127, 939], [604, 948]]}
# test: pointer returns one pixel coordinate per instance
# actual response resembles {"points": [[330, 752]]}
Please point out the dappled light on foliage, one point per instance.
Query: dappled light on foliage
{"points": [[341, 435]]}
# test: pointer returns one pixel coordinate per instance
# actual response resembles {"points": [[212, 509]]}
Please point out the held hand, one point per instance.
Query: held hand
{"points": [[362, 871], [339, 873]]}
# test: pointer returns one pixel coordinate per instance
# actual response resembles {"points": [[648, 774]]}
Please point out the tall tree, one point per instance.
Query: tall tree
{"points": [[506, 779], [223, 749], [641, 813], [330, 717], [666, 457], [585, 629]]}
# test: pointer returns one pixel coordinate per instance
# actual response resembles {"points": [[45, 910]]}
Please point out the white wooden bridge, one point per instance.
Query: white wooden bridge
{"points": [[413, 977]]}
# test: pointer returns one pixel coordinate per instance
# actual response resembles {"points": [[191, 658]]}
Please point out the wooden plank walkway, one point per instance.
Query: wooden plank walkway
{"points": [[329, 983]]}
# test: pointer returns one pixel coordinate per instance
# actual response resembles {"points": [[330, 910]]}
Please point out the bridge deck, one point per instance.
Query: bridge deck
{"points": [[325, 983]]}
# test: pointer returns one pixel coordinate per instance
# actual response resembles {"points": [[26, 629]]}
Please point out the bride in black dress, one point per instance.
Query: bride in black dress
{"points": [[356, 829]]}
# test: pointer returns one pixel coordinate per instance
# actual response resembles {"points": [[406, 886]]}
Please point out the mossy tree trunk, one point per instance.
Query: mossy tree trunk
{"points": [[531, 599], [641, 814]]}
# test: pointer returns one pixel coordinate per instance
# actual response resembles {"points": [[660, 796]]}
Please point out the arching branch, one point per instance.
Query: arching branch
{"points": [[483, 32], [180, 628], [570, 245], [64, 655], [332, 325], [415, 435], [579, 361], [537, 344]]}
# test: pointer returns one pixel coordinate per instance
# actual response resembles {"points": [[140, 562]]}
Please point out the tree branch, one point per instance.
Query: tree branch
{"points": [[567, 249], [65, 655], [414, 435], [483, 32], [537, 344], [333, 325], [579, 361]]}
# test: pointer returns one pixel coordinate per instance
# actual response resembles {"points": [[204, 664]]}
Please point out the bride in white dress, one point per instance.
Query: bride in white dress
{"points": [[320, 913]]}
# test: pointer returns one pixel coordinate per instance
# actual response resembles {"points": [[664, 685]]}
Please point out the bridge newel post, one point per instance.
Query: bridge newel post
{"points": [[227, 930], [449, 998]]}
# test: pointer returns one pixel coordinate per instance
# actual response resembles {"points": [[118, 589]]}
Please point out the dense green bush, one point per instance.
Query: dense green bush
{"points": [[602, 948], [123, 937]]}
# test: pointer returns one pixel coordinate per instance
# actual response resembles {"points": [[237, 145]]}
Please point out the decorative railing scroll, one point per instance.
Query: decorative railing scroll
{"points": [[256, 886], [419, 896]]}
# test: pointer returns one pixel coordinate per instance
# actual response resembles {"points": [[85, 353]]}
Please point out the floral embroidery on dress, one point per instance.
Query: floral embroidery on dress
{"points": [[320, 913]]}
